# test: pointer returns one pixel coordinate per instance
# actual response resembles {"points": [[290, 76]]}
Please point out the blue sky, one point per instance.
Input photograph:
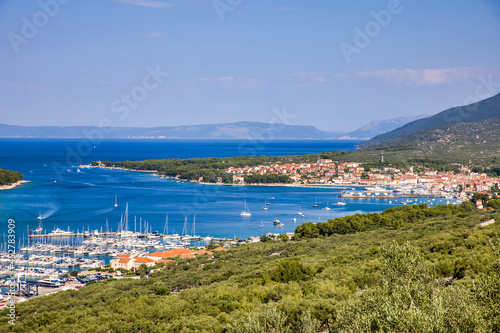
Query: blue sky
{"points": [[331, 64]]}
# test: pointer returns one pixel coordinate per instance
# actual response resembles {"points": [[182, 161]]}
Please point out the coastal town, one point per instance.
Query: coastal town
{"points": [[409, 182]]}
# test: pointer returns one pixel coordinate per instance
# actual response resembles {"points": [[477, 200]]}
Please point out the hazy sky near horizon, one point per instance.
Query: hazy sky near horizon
{"points": [[331, 64]]}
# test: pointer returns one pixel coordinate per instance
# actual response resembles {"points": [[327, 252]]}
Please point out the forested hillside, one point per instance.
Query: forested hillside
{"points": [[485, 109], [473, 143]]}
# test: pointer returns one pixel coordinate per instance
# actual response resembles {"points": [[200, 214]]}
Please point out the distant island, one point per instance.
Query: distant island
{"points": [[240, 130], [243, 130]]}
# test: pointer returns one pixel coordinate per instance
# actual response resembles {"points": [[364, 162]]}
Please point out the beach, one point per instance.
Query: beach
{"points": [[11, 186]]}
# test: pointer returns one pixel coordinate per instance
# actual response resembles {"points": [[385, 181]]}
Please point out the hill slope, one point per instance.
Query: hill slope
{"points": [[485, 109], [314, 283], [476, 142]]}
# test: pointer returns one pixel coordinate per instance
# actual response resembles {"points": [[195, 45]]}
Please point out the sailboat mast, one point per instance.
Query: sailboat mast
{"points": [[126, 217], [185, 226], [194, 220]]}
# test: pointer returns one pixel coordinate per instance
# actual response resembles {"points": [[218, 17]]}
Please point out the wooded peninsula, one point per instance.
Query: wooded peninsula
{"points": [[8, 177]]}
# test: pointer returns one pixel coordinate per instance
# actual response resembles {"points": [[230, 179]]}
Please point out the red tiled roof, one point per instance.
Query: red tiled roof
{"points": [[220, 249], [157, 254], [171, 253], [143, 259]]}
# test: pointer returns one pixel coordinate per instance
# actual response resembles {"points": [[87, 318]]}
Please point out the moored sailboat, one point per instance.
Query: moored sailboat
{"points": [[245, 212]]}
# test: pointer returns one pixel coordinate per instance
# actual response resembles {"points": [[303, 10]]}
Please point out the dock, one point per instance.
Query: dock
{"points": [[103, 234], [75, 234]]}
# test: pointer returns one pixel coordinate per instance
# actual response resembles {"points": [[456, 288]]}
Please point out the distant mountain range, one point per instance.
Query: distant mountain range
{"points": [[485, 109], [238, 130], [378, 127]]}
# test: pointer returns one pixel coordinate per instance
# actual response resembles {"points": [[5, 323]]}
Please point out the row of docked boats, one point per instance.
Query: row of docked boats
{"points": [[42, 260], [368, 195]]}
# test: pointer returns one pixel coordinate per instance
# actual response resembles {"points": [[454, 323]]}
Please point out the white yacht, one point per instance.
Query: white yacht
{"points": [[245, 212], [58, 231]]}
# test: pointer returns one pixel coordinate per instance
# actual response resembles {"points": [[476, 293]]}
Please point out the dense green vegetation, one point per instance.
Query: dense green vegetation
{"points": [[437, 272], [210, 168], [9, 177], [266, 179], [393, 218]]}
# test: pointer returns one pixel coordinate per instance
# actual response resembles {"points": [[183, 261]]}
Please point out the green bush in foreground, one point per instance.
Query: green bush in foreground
{"points": [[412, 299]]}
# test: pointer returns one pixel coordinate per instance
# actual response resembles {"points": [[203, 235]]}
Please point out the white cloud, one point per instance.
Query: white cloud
{"points": [[419, 77], [319, 79], [307, 76], [12, 85], [230, 82], [146, 3]]}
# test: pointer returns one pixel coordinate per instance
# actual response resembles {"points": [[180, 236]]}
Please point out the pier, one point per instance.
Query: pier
{"points": [[110, 234], [76, 234]]}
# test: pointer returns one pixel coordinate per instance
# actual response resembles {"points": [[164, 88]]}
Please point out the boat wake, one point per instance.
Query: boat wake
{"points": [[50, 212]]}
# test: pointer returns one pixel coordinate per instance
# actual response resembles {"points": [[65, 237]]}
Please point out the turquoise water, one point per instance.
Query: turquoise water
{"points": [[84, 200]]}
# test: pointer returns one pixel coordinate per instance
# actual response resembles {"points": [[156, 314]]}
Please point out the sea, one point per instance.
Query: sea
{"points": [[84, 200]]}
